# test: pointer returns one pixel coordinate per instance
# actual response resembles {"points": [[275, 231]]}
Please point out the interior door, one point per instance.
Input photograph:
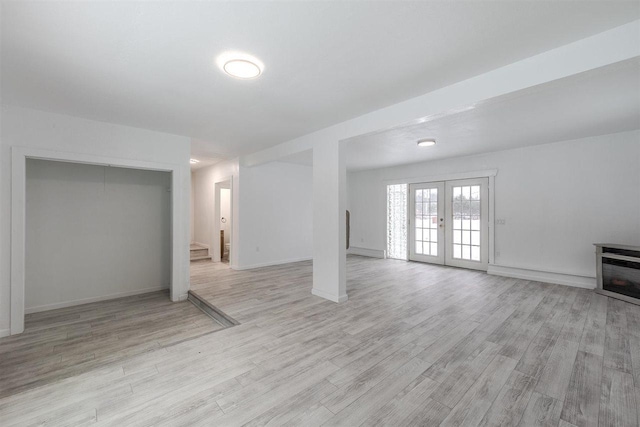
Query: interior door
{"points": [[426, 222], [466, 224]]}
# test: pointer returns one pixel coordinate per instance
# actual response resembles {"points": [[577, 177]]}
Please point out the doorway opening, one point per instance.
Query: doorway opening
{"points": [[212, 222], [224, 220]]}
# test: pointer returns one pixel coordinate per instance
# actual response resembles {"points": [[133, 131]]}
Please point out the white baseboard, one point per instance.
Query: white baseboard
{"points": [[372, 253], [269, 264], [543, 276], [5, 332], [65, 304], [330, 297]]}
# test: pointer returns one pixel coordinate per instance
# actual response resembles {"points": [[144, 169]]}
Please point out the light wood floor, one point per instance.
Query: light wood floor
{"points": [[414, 345], [63, 343]]}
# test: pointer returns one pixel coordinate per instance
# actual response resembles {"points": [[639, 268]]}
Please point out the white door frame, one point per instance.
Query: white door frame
{"points": [[179, 237], [216, 256], [488, 173]]}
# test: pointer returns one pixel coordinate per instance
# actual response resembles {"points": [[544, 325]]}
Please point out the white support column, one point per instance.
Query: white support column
{"points": [[329, 216]]}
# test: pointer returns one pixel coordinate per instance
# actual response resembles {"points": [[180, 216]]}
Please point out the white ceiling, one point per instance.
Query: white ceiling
{"points": [[598, 102], [203, 162], [152, 64]]}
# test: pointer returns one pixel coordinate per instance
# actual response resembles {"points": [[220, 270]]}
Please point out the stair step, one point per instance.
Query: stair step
{"points": [[199, 252], [199, 258]]}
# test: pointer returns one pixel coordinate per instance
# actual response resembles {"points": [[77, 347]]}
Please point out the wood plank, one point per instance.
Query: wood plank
{"points": [[535, 358], [617, 349], [409, 401], [574, 325], [582, 401], [512, 401], [556, 375], [430, 413], [351, 391], [380, 394], [457, 383], [593, 335], [477, 401], [542, 411], [617, 399]]}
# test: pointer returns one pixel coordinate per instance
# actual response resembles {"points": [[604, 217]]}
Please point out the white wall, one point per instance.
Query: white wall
{"points": [[557, 200], [37, 129], [94, 232], [192, 208], [276, 213]]}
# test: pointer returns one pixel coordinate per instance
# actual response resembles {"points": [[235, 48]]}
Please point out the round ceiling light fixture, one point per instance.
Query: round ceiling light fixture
{"points": [[427, 142], [240, 65]]}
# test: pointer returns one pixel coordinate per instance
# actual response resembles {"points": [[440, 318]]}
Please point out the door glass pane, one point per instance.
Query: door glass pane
{"points": [[433, 208], [434, 249], [475, 253], [466, 193], [426, 222], [457, 251], [466, 222], [475, 192], [397, 221], [466, 252]]}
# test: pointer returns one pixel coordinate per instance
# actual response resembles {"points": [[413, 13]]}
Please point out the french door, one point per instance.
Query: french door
{"points": [[449, 223], [426, 221]]}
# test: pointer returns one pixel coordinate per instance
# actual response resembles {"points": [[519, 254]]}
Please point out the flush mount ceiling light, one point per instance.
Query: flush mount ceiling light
{"points": [[427, 142], [242, 69], [194, 161], [240, 65]]}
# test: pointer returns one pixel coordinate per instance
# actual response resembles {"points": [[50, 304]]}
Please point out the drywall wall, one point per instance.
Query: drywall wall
{"points": [[94, 232], [276, 213], [206, 223], [556, 199], [23, 127]]}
